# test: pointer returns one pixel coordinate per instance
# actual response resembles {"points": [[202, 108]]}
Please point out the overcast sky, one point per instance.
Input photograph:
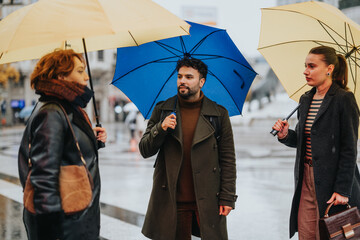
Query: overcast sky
{"points": [[241, 18]]}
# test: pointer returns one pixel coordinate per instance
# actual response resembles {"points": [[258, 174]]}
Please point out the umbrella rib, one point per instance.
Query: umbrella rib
{"points": [[202, 40], [146, 116], [133, 38], [295, 41], [352, 74], [351, 34], [347, 47], [182, 44], [158, 60], [355, 74], [211, 73], [322, 25], [188, 32], [218, 56], [340, 52], [298, 90], [167, 47]]}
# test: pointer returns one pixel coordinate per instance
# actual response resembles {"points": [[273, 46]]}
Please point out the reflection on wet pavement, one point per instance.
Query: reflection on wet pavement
{"points": [[11, 225], [264, 186], [9, 178], [123, 214]]}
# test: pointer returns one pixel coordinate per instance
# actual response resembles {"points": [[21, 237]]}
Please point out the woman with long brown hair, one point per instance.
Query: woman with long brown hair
{"points": [[326, 140], [59, 134]]}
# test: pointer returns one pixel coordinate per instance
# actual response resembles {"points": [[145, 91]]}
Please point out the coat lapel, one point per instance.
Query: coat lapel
{"points": [[81, 123], [327, 100], [304, 108], [204, 129]]}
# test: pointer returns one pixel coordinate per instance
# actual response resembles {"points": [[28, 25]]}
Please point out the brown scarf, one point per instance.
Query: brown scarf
{"points": [[75, 93]]}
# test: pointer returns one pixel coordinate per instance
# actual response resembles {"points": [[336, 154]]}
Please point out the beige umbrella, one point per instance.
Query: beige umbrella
{"points": [[39, 28], [288, 33], [84, 25]]}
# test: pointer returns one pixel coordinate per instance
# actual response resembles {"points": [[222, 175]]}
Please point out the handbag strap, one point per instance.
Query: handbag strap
{"points": [[72, 132], [330, 205]]}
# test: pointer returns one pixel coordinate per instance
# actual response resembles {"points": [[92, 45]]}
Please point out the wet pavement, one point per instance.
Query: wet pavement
{"points": [[264, 185]]}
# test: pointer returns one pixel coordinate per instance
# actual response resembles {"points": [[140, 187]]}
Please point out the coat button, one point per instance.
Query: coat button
{"points": [[163, 187], [217, 194], [214, 170], [155, 132]]}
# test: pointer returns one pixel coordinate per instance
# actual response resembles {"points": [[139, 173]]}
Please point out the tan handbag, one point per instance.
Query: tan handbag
{"points": [[75, 183]]}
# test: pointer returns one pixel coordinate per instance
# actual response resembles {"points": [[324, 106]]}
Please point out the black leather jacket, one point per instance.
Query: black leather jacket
{"points": [[52, 145]]}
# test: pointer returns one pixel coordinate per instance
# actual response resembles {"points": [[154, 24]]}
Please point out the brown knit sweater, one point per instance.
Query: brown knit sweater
{"points": [[190, 111]]}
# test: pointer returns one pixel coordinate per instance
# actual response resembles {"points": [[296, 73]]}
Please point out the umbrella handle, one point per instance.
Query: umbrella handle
{"points": [[275, 132], [100, 144]]}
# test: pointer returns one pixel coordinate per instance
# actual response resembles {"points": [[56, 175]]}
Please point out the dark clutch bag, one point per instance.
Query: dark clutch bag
{"points": [[342, 225]]}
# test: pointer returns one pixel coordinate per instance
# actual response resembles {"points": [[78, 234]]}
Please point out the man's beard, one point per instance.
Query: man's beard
{"points": [[188, 94]]}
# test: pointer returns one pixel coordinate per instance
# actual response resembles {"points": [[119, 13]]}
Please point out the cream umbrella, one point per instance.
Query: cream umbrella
{"points": [[84, 25], [41, 27], [288, 33]]}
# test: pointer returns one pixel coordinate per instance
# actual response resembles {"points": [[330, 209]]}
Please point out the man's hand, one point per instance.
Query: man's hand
{"points": [[169, 122], [225, 210]]}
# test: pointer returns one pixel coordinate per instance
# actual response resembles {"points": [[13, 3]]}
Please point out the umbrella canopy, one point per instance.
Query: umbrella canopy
{"points": [[41, 27], [289, 32], [147, 74], [84, 25]]}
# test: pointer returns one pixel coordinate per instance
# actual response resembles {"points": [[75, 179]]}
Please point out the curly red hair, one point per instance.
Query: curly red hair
{"points": [[55, 64]]}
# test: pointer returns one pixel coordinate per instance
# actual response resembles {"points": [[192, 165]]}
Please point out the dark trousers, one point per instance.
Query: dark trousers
{"points": [[186, 212]]}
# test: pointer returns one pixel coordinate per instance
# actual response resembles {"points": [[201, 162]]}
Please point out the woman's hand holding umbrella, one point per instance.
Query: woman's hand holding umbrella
{"points": [[282, 126], [100, 134]]}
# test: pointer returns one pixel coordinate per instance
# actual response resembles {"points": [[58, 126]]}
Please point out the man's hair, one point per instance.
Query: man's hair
{"points": [[193, 63]]}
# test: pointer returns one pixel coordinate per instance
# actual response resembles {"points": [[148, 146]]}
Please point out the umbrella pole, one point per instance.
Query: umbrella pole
{"points": [[100, 143], [275, 132]]}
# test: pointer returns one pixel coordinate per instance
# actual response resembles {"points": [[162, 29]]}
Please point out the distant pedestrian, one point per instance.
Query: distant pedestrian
{"points": [[48, 145], [326, 140], [195, 172], [140, 125], [130, 122]]}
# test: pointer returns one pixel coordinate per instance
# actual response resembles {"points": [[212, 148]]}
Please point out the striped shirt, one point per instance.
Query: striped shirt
{"points": [[313, 110]]}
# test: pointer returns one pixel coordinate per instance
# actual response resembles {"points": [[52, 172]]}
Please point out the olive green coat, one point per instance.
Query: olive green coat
{"points": [[214, 176]]}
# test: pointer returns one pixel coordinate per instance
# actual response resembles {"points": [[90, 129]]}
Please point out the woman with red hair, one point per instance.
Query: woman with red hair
{"points": [[57, 123]]}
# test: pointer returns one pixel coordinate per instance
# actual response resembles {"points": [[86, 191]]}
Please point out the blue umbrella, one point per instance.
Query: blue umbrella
{"points": [[147, 74]]}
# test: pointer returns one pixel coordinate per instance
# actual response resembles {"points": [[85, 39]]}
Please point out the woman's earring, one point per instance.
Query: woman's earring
{"points": [[328, 74]]}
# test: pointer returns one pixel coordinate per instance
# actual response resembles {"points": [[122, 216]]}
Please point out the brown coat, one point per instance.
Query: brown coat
{"points": [[214, 176]]}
